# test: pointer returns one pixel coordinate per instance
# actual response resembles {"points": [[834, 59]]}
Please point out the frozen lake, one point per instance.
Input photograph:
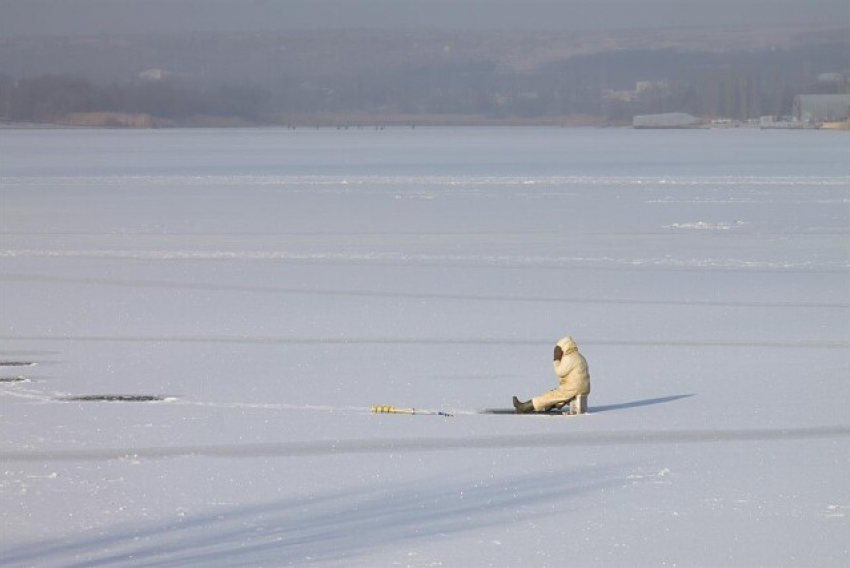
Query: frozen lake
{"points": [[271, 285]]}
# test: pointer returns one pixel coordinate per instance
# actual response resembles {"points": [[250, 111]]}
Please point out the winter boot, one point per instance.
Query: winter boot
{"points": [[523, 407]]}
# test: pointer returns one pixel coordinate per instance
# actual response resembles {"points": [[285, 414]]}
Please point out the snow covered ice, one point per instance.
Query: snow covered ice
{"points": [[258, 290]]}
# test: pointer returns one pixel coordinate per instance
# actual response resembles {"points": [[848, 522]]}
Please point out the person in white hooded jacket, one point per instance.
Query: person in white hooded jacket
{"points": [[573, 378]]}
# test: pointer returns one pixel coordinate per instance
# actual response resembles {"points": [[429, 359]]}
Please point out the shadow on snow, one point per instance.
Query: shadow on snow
{"points": [[638, 403]]}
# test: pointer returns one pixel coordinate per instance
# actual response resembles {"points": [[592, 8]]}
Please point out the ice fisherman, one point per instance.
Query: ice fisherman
{"points": [[573, 378]]}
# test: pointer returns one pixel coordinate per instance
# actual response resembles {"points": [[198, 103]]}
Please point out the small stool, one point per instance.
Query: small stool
{"points": [[578, 405]]}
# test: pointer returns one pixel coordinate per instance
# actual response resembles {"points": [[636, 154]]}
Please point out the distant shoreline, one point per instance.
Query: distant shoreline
{"points": [[351, 123], [116, 121]]}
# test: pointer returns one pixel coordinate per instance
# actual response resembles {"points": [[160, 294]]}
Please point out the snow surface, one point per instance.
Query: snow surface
{"points": [[271, 285]]}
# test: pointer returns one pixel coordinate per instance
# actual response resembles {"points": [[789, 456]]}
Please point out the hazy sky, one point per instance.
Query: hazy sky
{"points": [[61, 17]]}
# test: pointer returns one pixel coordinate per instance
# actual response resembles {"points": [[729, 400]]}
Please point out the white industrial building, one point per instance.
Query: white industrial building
{"points": [[666, 120], [817, 109]]}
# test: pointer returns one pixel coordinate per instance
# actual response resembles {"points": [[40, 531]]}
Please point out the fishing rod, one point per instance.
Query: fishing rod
{"points": [[378, 409]]}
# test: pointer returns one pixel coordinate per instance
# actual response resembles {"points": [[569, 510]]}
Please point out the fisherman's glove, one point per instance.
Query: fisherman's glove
{"points": [[558, 353]]}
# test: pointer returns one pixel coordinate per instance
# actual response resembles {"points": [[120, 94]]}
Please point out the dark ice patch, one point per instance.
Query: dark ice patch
{"points": [[114, 398], [14, 380], [513, 411]]}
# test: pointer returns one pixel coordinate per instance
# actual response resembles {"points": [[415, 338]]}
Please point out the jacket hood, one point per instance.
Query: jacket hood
{"points": [[563, 365], [567, 344]]}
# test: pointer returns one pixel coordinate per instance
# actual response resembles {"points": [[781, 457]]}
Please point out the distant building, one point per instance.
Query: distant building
{"points": [[831, 78], [815, 109], [666, 120], [642, 90], [647, 86], [154, 75]]}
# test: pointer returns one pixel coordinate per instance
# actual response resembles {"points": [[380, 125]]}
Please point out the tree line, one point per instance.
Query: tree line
{"points": [[729, 85]]}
